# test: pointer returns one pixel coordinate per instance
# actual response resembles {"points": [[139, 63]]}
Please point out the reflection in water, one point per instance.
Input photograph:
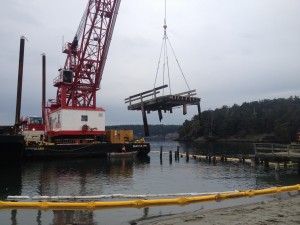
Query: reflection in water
{"points": [[10, 180], [130, 176], [82, 217], [67, 177], [76, 177], [14, 217]]}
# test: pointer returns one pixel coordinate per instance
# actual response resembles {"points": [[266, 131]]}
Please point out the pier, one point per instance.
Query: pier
{"points": [[281, 158], [277, 153]]}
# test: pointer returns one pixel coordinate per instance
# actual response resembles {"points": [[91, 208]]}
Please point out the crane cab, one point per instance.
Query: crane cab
{"points": [[33, 129], [64, 76]]}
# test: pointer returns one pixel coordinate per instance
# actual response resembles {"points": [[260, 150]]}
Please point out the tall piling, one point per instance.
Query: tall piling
{"points": [[160, 154], [44, 87], [187, 155], [19, 88], [177, 153], [145, 122]]}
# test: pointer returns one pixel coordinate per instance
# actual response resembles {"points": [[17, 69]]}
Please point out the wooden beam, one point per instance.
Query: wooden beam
{"points": [[127, 100], [186, 92], [146, 92], [146, 128]]}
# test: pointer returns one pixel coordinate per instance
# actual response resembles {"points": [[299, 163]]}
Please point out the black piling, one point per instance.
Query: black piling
{"points": [[160, 154], [160, 115], [285, 165], [214, 160], [44, 87], [240, 158], [177, 153], [187, 155], [256, 159], [146, 127], [170, 157], [266, 163], [209, 158], [20, 80]]}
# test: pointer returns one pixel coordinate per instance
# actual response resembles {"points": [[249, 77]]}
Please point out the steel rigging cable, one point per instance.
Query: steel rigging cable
{"points": [[164, 49]]}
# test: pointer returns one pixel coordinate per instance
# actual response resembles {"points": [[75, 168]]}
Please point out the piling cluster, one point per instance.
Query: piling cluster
{"points": [[243, 159]]}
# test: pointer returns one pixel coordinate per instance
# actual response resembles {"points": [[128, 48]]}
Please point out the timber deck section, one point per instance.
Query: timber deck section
{"points": [[278, 152], [149, 101]]}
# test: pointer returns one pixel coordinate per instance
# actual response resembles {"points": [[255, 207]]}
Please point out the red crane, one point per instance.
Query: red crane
{"points": [[74, 112]]}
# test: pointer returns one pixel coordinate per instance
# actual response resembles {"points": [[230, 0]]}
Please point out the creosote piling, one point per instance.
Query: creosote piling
{"points": [[253, 160]]}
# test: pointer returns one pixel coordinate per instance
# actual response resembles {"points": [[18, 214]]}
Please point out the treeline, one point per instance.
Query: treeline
{"points": [[154, 130], [278, 120]]}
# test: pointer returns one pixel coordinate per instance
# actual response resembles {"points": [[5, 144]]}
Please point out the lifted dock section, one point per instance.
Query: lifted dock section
{"points": [[149, 101]]}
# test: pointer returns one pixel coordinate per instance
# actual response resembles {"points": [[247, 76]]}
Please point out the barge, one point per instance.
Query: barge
{"points": [[39, 146], [72, 125], [81, 150]]}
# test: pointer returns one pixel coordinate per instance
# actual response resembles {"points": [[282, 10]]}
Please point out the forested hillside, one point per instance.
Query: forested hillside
{"points": [[275, 120]]}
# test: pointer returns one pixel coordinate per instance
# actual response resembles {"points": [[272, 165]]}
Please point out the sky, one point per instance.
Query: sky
{"points": [[230, 51]]}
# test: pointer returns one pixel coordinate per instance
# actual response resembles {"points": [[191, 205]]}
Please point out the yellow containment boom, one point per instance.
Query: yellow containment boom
{"points": [[143, 203]]}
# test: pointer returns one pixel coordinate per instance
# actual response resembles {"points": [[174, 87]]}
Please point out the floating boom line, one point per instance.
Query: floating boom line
{"points": [[93, 205]]}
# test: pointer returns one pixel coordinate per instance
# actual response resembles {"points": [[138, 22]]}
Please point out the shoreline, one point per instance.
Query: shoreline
{"points": [[280, 211]]}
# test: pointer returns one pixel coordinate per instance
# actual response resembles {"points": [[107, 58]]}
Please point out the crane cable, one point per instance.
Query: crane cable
{"points": [[164, 49]]}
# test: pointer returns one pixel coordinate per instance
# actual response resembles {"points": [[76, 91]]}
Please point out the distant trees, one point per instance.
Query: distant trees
{"points": [[279, 117]]}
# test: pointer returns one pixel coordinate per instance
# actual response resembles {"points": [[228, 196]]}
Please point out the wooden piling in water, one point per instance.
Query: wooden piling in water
{"points": [[176, 154], [160, 154], [222, 159], [170, 157], [253, 162], [214, 159], [266, 163], [256, 159], [19, 87], [209, 158]]}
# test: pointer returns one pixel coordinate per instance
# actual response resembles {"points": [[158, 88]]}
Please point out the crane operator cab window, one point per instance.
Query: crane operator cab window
{"points": [[35, 120], [66, 75]]}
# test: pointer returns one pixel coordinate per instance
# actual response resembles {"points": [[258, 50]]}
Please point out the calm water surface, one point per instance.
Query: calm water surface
{"points": [[133, 176]]}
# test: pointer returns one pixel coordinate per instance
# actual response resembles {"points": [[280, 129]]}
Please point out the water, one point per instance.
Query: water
{"points": [[133, 176]]}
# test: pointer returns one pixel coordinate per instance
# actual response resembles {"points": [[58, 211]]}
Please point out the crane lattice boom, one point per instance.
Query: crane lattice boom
{"points": [[80, 78]]}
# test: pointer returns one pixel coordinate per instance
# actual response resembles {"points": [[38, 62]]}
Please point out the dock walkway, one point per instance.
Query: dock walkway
{"points": [[278, 152]]}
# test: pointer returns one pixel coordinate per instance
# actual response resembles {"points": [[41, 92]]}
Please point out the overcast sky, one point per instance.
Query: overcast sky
{"points": [[231, 51]]}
